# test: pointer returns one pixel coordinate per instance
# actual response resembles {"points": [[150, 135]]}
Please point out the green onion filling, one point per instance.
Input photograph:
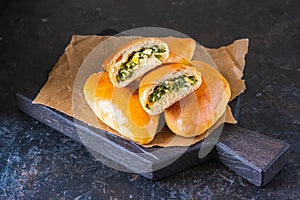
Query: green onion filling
{"points": [[170, 85], [127, 68]]}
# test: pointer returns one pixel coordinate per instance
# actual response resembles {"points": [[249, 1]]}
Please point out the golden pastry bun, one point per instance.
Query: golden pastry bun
{"points": [[175, 58], [192, 115], [184, 47], [120, 109], [197, 112], [158, 76]]}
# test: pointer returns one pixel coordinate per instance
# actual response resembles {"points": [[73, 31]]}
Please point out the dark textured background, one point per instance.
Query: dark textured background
{"points": [[37, 162]]}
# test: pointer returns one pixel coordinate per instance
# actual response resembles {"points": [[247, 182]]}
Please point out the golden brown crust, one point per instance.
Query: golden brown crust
{"points": [[218, 86], [185, 47], [175, 58], [192, 115], [119, 108], [206, 105]]}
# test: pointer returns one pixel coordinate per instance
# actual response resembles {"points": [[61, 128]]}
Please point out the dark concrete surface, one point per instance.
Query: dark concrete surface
{"points": [[37, 162]]}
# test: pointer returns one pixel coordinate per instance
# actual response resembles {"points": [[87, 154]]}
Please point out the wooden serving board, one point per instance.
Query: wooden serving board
{"points": [[254, 156]]}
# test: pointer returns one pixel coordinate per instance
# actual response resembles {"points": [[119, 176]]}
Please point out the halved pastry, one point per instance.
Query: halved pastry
{"points": [[135, 59], [167, 84]]}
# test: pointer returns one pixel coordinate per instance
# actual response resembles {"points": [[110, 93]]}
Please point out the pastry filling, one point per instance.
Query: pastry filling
{"points": [[127, 68], [170, 85]]}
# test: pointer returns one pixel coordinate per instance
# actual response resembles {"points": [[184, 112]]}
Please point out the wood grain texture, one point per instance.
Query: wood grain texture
{"points": [[256, 157]]}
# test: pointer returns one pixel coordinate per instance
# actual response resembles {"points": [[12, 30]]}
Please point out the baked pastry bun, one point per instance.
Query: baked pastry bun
{"points": [[167, 84], [192, 115], [184, 47], [120, 109], [175, 58], [197, 112], [135, 59]]}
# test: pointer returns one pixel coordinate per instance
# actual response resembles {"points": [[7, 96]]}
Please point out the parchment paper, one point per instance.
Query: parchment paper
{"points": [[60, 94]]}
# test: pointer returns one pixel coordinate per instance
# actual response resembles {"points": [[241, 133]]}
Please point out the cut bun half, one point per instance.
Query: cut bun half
{"points": [[162, 87], [135, 59]]}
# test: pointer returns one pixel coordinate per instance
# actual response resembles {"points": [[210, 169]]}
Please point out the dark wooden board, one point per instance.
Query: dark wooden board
{"points": [[255, 157]]}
